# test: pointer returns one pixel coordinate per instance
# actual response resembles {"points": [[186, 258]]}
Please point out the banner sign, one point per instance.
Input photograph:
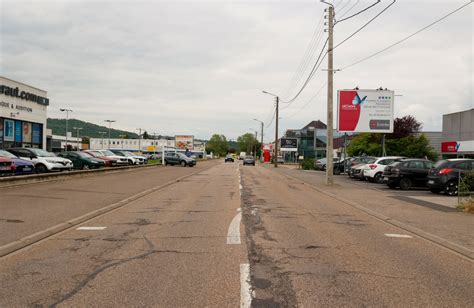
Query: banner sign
{"points": [[365, 111], [183, 142], [9, 130], [457, 146], [18, 130], [36, 132], [26, 132], [289, 144]]}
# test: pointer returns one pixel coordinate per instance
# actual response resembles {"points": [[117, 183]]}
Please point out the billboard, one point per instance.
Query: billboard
{"points": [[36, 133], [9, 130], [365, 111], [18, 130], [289, 144], [184, 142], [26, 132]]}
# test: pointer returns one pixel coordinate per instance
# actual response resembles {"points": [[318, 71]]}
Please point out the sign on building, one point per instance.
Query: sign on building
{"points": [[184, 142], [365, 111], [289, 144]]}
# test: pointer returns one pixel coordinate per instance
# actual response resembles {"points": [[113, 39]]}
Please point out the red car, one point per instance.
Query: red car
{"points": [[109, 162], [7, 166]]}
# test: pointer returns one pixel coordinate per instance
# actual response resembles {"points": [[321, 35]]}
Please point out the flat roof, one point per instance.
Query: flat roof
{"points": [[23, 83]]}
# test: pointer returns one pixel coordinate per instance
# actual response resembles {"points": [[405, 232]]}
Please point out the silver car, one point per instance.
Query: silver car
{"points": [[249, 160]]}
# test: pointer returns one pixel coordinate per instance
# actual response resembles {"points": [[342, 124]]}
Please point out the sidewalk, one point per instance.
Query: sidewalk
{"points": [[434, 216]]}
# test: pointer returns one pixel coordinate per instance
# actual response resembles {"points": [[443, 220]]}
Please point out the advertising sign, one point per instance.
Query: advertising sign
{"points": [[36, 133], [26, 132], [18, 130], [369, 111], [9, 130], [184, 142], [288, 144], [457, 146]]}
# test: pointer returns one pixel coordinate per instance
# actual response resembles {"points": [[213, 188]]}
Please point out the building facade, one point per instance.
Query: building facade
{"points": [[23, 115], [458, 134]]}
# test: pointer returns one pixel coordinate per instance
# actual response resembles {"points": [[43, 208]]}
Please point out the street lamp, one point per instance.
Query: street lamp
{"points": [[275, 153], [67, 119], [122, 136], [77, 136], [110, 123], [102, 141]]}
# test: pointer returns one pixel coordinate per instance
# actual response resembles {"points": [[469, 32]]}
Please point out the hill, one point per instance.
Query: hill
{"points": [[58, 126]]}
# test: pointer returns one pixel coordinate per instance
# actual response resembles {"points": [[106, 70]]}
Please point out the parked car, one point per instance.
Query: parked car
{"points": [[338, 165], [356, 171], [83, 160], [229, 158], [7, 166], [120, 160], [357, 160], [280, 160], [444, 176], [21, 166], [407, 173], [249, 160], [141, 158], [320, 164], [179, 159], [373, 172], [44, 161], [130, 158], [109, 162]]}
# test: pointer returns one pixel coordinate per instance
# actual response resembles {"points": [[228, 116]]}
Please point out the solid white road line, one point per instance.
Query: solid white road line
{"points": [[398, 235], [245, 288], [240, 186], [90, 228], [233, 235]]}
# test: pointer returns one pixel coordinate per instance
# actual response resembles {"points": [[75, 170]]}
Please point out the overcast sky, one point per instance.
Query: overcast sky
{"points": [[198, 67]]}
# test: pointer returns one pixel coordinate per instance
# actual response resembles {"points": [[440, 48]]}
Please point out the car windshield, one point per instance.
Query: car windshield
{"points": [[84, 154], [107, 153], [440, 164], [370, 161], [248, 157], [7, 154], [42, 153]]}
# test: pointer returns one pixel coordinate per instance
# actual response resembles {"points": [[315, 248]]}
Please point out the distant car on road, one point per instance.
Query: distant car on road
{"points": [[242, 155], [444, 176], [44, 161], [249, 160], [179, 159], [407, 173], [83, 160], [22, 166], [229, 158]]}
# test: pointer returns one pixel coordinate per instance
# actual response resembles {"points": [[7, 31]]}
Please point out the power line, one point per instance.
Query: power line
{"points": [[270, 123], [360, 12], [342, 8], [408, 37], [365, 25], [309, 101], [350, 9]]}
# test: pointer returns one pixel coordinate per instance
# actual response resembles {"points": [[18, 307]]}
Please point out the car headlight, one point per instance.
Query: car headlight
{"points": [[50, 161]]}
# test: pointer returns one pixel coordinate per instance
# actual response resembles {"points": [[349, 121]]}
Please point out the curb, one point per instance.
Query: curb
{"points": [[48, 177], [41, 235], [461, 250]]}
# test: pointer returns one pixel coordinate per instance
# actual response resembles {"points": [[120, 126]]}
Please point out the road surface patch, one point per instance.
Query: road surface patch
{"points": [[233, 235], [398, 235], [91, 228]]}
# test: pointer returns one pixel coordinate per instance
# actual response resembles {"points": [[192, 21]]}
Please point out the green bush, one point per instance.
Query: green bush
{"points": [[307, 164], [467, 183]]}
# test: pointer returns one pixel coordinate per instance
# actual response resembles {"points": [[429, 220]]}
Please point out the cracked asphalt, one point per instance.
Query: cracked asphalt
{"points": [[169, 249]]}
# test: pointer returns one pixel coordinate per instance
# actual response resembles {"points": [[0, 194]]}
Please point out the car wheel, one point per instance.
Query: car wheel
{"points": [[40, 168], [451, 188], [435, 191], [378, 178], [405, 184], [183, 163], [85, 167]]}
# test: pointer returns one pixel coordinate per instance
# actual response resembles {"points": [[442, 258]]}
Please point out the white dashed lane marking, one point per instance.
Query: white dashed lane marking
{"points": [[91, 228], [233, 235], [245, 288], [398, 235]]}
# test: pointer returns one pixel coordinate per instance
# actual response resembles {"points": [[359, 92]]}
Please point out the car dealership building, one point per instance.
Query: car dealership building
{"points": [[22, 115], [458, 134]]}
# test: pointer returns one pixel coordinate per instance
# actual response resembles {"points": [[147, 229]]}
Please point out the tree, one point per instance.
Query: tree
{"points": [[218, 145], [145, 135], [404, 127], [247, 143]]}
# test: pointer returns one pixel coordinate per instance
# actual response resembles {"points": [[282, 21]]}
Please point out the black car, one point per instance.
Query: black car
{"points": [[444, 176], [83, 160], [229, 158], [179, 159], [407, 173]]}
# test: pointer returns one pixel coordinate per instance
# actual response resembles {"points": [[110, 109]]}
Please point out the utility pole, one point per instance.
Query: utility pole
{"points": [[110, 123], [67, 119], [139, 139], [77, 136], [275, 156], [329, 143], [102, 141]]}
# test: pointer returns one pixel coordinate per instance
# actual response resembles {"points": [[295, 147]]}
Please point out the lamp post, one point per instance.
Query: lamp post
{"points": [[77, 136], [122, 136], [110, 123], [67, 119], [275, 149], [102, 141]]}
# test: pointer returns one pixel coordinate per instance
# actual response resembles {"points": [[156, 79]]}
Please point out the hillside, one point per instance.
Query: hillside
{"points": [[58, 126]]}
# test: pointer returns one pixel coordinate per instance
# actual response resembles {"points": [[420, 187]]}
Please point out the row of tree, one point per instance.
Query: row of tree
{"points": [[219, 145]]}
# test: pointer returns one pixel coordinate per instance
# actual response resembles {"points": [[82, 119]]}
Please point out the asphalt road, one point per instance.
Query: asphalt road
{"points": [[185, 246]]}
